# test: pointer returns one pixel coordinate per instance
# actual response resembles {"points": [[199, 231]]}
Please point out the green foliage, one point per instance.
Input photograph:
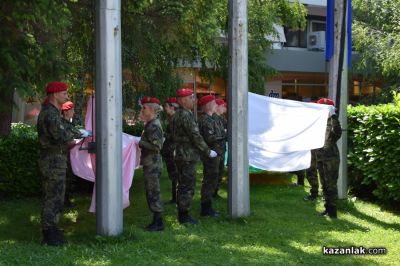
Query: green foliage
{"points": [[134, 130], [374, 149], [19, 162], [376, 38]]}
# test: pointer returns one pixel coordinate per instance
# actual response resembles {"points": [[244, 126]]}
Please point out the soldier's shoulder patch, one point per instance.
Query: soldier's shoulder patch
{"points": [[155, 141]]}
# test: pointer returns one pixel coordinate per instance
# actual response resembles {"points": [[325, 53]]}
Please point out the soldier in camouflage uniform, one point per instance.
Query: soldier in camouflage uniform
{"points": [[67, 111], [212, 135], [328, 160], [189, 143], [312, 177], [168, 148], [151, 143], [222, 128], [53, 139]]}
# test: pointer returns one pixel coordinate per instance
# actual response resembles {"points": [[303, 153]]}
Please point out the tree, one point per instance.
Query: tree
{"points": [[376, 32], [30, 49], [51, 40]]}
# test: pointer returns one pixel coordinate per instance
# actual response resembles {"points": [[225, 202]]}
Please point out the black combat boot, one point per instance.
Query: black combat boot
{"points": [[184, 217], [329, 211], [157, 224], [207, 210], [310, 197], [53, 237], [332, 211]]}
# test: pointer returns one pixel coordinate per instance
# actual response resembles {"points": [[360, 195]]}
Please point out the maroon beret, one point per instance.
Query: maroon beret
{"points": [[184, 92], [220, 102], [56, 86], [67, 106], [148, 99], [171, 100], [206, 99], [326, 101]]}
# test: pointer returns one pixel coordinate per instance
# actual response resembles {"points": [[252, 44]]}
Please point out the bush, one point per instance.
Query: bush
{"points": [[19, 172], [134, 130], [374, 150]]}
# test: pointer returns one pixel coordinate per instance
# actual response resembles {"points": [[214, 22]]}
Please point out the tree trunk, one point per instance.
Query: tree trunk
{"points": [[6, 107]]}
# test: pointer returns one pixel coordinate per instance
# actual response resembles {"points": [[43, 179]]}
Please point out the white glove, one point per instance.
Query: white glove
{"points": [[84, 133], [212, 154]]}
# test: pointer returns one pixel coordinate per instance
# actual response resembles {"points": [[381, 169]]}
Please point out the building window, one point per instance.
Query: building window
{"points": [[295, 38], [316, 25]]}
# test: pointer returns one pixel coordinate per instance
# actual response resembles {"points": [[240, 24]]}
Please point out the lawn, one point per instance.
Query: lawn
{"points": [[281, 230]]}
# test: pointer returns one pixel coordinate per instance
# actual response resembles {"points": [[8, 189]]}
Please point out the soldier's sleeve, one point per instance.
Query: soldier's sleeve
{"points": [[209, 131], [153, 140], [56, 129], [336, 131], [192, 130]]}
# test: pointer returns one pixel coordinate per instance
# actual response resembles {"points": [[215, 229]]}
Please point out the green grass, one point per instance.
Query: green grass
{"points": [[281, 230]]}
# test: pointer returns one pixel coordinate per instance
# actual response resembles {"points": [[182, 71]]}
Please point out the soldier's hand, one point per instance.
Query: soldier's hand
{"points": [[84, 133], [212, 154]]}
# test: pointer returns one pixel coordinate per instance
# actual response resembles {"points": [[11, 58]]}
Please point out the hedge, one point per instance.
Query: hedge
{"points": [[19, 173], [374, 150]]}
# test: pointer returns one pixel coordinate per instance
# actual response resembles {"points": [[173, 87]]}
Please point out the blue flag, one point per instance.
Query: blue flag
{"points": [[330, 31], [329, 34]]}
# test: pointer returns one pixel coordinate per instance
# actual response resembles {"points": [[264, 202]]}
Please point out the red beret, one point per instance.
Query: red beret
{"points": [[184, 92], [148, 99], [220, 102], [171, 100], [67, 106], [326, 101], [53, 87], [206, 99]]}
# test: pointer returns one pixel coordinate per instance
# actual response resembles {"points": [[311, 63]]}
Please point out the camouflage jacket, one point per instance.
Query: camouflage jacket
{"points": [[168, 146], [332, 135], [151, 142], [186, 136], [222, 125], [52, 136], [71, 129], [213, 132]]}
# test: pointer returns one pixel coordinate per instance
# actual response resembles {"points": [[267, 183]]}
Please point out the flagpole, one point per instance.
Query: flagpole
{"points": [[342, 143], [109, 216], [238, 161], [338, 82]]}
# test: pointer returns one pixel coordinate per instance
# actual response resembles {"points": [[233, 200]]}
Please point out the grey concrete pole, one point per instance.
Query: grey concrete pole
{"points": [[108, 118], [238, 161], [342, 143], [338, 84]]}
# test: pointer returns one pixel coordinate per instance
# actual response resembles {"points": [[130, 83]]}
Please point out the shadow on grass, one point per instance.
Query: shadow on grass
{"points": [[281, 230]]}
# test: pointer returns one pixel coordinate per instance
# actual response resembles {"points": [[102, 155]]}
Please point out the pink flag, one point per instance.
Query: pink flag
{"points": [[83, 163]]}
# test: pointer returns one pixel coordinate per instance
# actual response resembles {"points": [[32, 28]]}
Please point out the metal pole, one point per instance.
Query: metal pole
{"points": [[108, 118], [195, 95], [342, 143], [239, 199], [338, 83]]}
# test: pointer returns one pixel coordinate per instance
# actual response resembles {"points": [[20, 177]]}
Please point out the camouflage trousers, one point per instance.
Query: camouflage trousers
{"points": [[312, 176], [152, 173], [210, 178], [186, 184], [220, 170], [329, 173], [171, 168], [53, 184]]}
